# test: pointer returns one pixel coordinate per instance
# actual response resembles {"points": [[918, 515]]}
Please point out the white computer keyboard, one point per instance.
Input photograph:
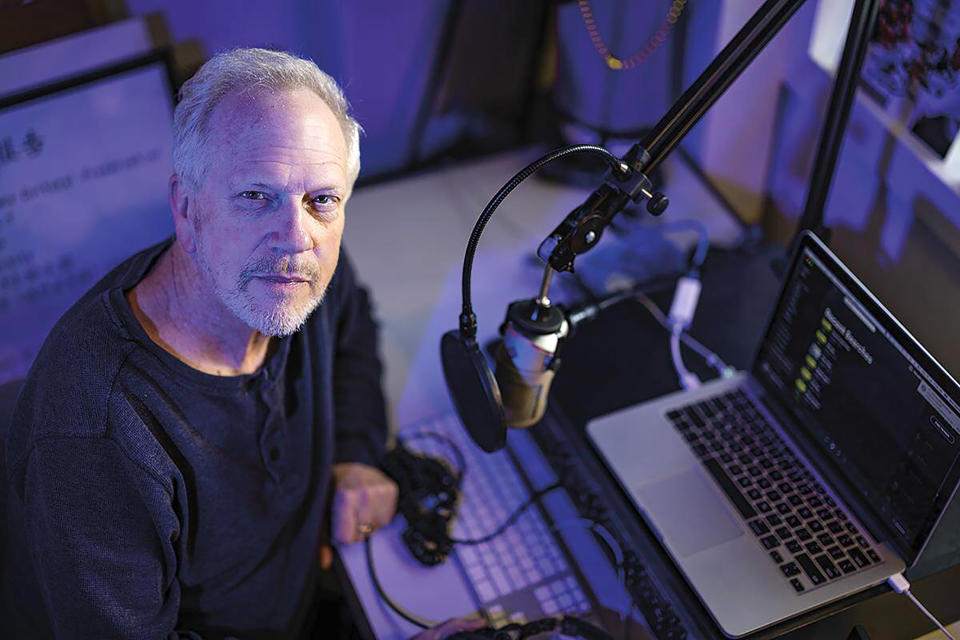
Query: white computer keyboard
{"points": [[521, 574]]}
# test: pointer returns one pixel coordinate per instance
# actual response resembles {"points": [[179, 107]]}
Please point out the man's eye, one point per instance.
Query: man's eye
{"points": [[325, 200], [253, 195]]}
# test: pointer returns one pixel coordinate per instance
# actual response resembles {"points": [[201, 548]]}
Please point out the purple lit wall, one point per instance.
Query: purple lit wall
{"points": [[617, 100], [382, 53], [377, 50]]}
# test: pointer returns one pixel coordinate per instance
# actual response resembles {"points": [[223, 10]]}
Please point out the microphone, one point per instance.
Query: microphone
{"points": [[533, 330], [526, 360]]}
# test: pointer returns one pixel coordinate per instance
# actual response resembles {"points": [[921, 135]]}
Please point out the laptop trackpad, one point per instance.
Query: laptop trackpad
{"points": [[689, 512]]}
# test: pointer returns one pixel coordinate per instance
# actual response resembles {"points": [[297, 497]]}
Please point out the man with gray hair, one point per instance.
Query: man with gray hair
{"points": [[186, 423]]}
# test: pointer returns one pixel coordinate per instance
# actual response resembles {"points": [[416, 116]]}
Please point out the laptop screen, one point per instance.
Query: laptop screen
{"points": [[865, 393]]}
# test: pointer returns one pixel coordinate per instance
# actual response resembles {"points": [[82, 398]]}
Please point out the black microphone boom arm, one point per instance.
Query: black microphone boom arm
{"points": [[581, 229]]}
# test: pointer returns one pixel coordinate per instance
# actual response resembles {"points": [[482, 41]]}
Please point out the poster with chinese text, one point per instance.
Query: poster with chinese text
{"points": [[83, 185]]}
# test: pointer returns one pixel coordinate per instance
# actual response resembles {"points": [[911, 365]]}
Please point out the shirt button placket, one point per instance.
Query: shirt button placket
{"points": [[271, 436]]}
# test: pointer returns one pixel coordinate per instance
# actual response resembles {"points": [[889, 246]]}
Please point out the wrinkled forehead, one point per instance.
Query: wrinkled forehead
{"points": [[256, 121]]}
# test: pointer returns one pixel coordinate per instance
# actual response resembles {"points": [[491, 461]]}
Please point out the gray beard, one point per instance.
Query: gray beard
{"points": [[279, 321]]}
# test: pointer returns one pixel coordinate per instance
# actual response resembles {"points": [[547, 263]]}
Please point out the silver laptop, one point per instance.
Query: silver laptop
{"points": [[820, 472]]}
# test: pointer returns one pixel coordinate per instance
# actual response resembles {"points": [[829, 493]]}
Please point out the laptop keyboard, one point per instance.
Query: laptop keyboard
{"points": [[522, 574], [794, 519]]}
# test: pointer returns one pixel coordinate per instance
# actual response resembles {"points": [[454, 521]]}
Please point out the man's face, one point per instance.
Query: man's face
{"points": [[269, 216]]}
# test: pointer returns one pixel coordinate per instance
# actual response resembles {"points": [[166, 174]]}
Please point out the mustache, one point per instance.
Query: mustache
{"points": [[279, 266]]}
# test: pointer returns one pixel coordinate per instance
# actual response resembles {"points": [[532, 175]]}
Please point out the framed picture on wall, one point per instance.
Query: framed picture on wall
{"points": [[84, 168]]}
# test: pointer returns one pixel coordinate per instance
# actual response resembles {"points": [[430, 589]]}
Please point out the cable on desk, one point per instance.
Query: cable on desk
{"points": [[682, 310], [696, 258], [899, 584], [413, 618], [433, 526], [439, 437], [688, 379], [678, 333], [616, 555], [428, 494], [536, 495], [703, 238], [603, 534], [711, 358], [429, 488]]}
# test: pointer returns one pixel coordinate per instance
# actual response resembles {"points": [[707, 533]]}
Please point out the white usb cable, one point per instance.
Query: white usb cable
{"points": [[899, 584], [679, 319]]}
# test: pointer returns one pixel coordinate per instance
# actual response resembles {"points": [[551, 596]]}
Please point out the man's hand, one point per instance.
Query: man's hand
{"points": [[450, 627], [365, 500]]}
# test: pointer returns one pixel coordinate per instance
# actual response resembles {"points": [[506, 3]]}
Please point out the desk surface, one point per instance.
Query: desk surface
{"points": [[407, 238]]}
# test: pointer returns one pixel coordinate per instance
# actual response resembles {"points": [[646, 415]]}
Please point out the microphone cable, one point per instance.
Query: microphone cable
{"points": [[425, 623], [534, 497], [428, 538], [429, 496], [410, 617]]}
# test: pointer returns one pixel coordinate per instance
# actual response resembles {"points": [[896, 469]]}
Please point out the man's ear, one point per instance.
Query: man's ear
{"points": [[182, 205]]}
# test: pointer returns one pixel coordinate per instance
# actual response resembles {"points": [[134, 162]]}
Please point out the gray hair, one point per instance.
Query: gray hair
{"points": [[245, 70]]}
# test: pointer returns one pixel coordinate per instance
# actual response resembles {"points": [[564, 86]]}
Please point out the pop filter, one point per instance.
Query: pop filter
{"points": [[474, 391]]}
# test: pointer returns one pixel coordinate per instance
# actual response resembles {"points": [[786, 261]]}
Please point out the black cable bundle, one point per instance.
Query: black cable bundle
{"points": [[568, 626], [429, 492]]}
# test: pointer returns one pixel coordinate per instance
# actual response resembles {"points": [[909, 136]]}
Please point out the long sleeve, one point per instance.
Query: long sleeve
{"points": [[148, 498], [359, 405], [100, 534]]}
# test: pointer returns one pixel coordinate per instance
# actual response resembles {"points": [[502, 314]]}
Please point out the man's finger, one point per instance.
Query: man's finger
{"points": [[384, 504], [365, 500], [344, 518], [358, 514]]}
